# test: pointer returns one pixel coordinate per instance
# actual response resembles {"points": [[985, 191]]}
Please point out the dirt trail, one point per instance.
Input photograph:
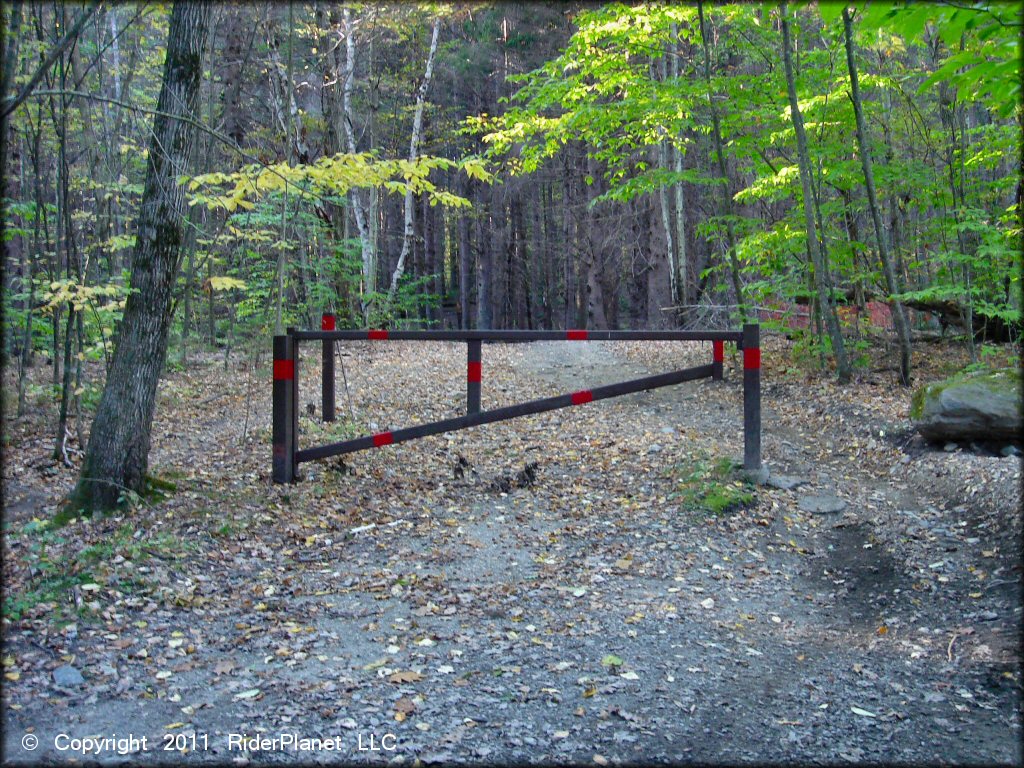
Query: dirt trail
{"points": [[581, 611]]}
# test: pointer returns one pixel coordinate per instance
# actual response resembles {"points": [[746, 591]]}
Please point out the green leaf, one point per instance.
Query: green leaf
{"points": [[225, 284]]}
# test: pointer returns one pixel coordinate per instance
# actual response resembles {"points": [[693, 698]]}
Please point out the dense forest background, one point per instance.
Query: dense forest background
{"points": [[502, 165]]}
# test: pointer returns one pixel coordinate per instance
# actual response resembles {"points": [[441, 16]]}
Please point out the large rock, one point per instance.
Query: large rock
{"points": [[981, 406]]}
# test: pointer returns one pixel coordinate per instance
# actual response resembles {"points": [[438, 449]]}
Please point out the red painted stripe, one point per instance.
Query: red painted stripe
{"points": [[579, 398], [327, 322], [576, 335], [284, 370], [383, 438], [752, 359], [473, 372], [719, 351], [377, 335]]}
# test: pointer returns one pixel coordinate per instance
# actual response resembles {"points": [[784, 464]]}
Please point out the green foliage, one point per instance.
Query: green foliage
{"points": [[600, 91], [334, 175], [711, 485], [101, 306], [410, 299], [59, 572]]}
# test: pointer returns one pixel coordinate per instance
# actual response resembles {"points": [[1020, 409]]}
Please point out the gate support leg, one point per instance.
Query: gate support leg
{"points": [[717, 358], [327, 409], [473, 376], [751, 397], [286, 412]]}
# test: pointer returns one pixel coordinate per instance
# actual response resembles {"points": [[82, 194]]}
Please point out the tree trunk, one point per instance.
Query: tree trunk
{"points": [[682, 267], [117, 458], [891, 283], [727, 209], [367, 242], [414, 144], [465, 263], [804, 161]]}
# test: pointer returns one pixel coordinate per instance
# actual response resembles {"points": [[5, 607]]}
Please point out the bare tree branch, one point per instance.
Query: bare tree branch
{"points": [[13, 102]]}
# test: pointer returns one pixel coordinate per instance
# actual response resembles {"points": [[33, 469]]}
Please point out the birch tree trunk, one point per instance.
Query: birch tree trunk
{"points": [[117, 458], [414, 144], [367, 243], [821, 280]]}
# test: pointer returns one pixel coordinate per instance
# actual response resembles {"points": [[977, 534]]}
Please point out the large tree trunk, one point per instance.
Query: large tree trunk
{"points": [[117, 458], [821, 280], [891, 283]]}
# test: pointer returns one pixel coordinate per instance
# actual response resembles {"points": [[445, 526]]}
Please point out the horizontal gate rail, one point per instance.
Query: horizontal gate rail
{"points": [[376, 335], [287, 455], [502, 414]]}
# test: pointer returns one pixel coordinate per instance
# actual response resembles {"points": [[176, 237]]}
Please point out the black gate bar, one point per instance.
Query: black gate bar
{"points": [[501, 414], [379, 335]]}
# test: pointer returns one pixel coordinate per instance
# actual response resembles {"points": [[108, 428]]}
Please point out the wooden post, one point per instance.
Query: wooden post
{"points": [[327, 387], [473, 375], [285, 415], [717, 358], [751, 397]]}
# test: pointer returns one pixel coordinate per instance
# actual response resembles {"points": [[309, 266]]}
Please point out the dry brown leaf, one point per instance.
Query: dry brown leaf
{"points": [[407, 676]]}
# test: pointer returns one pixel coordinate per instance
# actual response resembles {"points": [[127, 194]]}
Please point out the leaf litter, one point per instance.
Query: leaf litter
{"points": [[533, 591]]}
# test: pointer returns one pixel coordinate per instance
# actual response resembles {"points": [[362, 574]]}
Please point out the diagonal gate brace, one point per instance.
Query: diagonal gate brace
{"points": [[501, 414]]}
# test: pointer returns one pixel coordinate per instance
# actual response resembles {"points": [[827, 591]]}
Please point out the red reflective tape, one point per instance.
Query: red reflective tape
{"points": [[473, 372], [576, 335], [377, 335], [752, 359], [579, 398], [284, 370], [718, 353], [327, 322], [383, 438]]}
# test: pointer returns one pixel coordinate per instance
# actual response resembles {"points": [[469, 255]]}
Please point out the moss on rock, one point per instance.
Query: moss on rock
{"points": [[973, 406]]}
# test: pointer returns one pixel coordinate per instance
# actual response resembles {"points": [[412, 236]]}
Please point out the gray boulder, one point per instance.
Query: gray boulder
{"points": [[980, 406]]}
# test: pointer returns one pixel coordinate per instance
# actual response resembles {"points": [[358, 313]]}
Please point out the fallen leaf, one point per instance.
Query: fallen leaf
{"points": [[611, 660], [405, 677], [862, 712], [405, 705]]}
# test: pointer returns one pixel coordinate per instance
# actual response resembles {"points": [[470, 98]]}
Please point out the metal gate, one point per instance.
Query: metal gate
{"points": [[288, 455]]}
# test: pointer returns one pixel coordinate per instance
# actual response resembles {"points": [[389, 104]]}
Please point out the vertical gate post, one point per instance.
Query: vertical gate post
{"points": [[327, 391], [285, 415], [751, 397], [717, 358], [473, 375]]}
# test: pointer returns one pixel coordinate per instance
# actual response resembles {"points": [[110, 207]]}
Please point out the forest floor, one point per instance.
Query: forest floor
{"points": [[535, 591]]}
